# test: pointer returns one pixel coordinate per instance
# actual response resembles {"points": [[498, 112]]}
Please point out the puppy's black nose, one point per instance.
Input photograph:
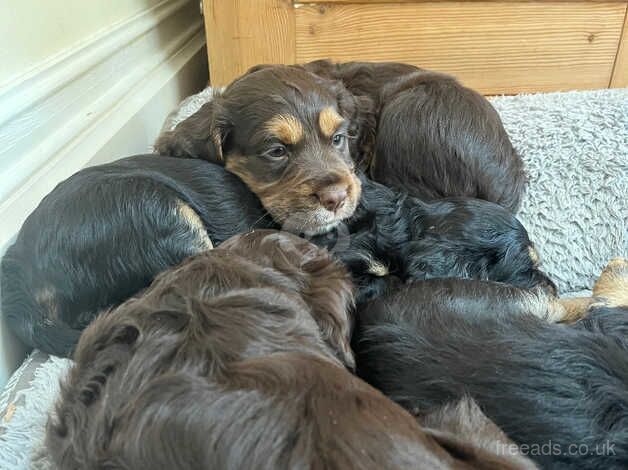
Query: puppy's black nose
{"points": [[332, 198]]}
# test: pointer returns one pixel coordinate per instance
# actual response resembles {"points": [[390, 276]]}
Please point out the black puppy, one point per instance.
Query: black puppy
{"points": [[395, 238], [559, 391], [103, 234]]}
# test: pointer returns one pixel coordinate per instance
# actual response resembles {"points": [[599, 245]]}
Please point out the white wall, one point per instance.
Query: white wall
{"points": [[84, 81], [34, 31]]}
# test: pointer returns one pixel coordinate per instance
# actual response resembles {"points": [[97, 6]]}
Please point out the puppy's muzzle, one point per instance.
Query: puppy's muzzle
{"points": [[333, 197]]}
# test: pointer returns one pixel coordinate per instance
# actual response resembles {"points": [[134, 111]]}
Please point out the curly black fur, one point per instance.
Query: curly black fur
{"points": [[415, 239]]}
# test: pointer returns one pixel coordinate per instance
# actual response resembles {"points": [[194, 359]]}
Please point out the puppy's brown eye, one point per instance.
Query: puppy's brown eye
{"points": [[278, 151], [338, 140]]}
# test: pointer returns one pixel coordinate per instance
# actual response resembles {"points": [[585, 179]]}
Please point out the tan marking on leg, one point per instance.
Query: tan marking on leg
{"points": [[46, 299], [575, 308], [612, 285], [329, 120], [195, 224], [10, 411], [541, 304], [465, 418], [534, 256], [376, 268], [286, 128]]}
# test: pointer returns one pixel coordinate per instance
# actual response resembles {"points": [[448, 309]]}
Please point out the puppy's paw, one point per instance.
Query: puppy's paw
{"points": [[612, 285], [574, 308]]}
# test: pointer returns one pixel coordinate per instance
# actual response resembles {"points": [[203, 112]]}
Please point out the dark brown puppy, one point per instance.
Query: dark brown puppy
{"points": [[221, 363], [286, 133], [435, 138]]}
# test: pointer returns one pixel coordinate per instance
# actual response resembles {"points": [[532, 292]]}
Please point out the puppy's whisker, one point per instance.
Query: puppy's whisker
{"points": [[266, 213]]}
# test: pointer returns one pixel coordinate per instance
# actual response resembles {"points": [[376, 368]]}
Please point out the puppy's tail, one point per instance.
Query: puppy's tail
{"points": [[34, 330], [35, 323], [33, 327]]}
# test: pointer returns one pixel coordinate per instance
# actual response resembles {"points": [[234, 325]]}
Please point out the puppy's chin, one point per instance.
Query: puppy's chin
{"points": [[298, 213], [320, 230], [310, 223]]}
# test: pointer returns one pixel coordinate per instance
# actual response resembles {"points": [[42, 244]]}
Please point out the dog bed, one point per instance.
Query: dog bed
{"points": [[575, 146]]}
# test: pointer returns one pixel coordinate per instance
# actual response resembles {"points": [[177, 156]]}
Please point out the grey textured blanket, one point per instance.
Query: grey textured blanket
{"points": [[575, 147]]}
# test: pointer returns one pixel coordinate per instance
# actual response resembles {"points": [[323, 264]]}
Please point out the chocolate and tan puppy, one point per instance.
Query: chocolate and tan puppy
{"points": [[290, 135]]}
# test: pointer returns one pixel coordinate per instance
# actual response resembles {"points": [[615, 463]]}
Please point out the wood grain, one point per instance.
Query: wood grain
{"points": [[495, 47], [297, 2], [620, 71], [243, 33]]}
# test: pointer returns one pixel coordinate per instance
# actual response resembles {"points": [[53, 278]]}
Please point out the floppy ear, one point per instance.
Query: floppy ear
{"points": [[202, 135]]}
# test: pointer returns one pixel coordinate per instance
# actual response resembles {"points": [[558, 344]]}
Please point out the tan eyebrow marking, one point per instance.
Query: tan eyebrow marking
{"points": [[329, 121], [286, 127]]}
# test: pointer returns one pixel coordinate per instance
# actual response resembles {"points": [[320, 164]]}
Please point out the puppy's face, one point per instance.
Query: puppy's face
{"points": [[285, 132], [289, 142]]}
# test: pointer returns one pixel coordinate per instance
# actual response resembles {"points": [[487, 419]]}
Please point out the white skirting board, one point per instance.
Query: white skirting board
{"points": [[103, 100]]}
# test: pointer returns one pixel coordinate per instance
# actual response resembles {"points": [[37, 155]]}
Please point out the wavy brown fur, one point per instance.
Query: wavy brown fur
{"points": [[225, 363]]}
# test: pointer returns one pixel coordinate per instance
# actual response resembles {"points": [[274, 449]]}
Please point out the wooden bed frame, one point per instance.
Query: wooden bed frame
{"points": [[497, 47]]}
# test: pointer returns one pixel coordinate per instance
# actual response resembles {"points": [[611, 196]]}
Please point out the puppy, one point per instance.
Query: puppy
{"points": [[559, 391], [435, 138], [221, 364], [471, 238], [287, 134], [104, 234], [393, 239]]}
